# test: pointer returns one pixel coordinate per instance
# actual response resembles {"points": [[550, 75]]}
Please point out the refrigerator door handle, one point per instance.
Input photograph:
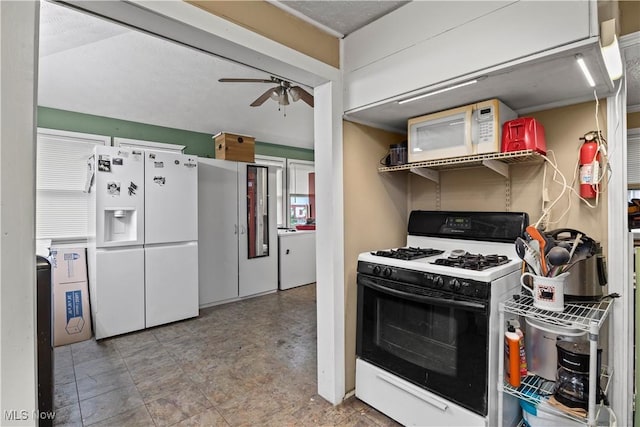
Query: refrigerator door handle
{"points": [[235, 228], [90, 174], [243, 229]]}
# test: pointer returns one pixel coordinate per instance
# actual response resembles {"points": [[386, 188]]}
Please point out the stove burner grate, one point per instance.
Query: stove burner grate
{"points": [[469, 261], [408, 253]]}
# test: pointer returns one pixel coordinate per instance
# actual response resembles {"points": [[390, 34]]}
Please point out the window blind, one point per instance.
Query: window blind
{"points": [[279, 163], [148, 145], [633, 161], [61, 174]]}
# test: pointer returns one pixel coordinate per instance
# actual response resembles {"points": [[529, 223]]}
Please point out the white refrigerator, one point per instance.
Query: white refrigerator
{"points": [[143, 251]]}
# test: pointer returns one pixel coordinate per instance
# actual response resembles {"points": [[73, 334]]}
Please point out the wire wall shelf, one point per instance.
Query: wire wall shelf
{"points": [[523, 156]]}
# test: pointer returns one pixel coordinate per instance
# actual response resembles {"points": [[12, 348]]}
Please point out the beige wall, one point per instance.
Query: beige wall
{"points": [[629, 16], [480, 189], [633, 120], [375, 214], [272, 22]]}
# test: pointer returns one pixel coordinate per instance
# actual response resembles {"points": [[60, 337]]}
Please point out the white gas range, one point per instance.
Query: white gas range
{"points": [[427, 333]]}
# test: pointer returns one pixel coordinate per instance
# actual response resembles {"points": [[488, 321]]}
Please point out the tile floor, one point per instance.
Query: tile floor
{"points": [[249, 363]]}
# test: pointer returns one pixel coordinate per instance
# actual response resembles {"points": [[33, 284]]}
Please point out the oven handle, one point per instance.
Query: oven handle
{"points": [[416, 393], [364, 281]]}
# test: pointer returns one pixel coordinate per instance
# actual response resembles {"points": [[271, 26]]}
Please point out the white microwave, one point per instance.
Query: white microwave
{"points": [[463, 131]]}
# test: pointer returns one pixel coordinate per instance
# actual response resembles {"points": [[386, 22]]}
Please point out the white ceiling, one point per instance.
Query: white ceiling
{"points": [[99, 67], [343, 17]]}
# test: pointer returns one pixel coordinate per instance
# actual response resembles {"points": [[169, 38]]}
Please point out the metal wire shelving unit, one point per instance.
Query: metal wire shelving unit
{"points": [[589, 317], [537, 390]]}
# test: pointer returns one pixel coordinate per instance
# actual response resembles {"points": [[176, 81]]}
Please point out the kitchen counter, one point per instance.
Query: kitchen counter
{"points": [[290, 231]]}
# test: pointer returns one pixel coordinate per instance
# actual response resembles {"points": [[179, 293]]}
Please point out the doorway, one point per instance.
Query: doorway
{"points": [[164, 18], [331, 375]]}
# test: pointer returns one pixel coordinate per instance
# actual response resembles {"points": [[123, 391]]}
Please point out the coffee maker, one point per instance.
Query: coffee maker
{"points": [[572, 378]]}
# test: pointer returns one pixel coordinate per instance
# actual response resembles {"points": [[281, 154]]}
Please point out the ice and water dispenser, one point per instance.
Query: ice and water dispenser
{"points": [[120, 225]]}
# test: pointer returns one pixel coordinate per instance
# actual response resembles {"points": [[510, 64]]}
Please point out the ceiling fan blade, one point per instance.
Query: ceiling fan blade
{"points": [[301, 94], [262, 98], [231, 80]]}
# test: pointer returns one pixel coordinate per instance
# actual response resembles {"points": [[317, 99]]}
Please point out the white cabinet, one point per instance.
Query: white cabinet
{"points": [[588, 317], [297, 259], [424, 43], [430, 56], [226, 270], [217, 230]]}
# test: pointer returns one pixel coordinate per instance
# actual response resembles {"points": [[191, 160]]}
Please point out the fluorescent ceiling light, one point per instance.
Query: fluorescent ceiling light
{"points": [[436, 92], [585, 70], [610, 49]]}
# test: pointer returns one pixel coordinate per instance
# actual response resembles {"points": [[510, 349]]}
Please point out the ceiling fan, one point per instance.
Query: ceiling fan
{"points": [[280, 93]]}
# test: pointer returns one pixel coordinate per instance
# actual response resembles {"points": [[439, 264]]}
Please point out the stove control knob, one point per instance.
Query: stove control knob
{"points": [[376, 270], [386, 272], [438, 282], [464, 287], [455, 285]]}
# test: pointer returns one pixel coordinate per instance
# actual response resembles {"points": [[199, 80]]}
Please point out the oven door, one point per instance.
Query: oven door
{"points": [[432, 339]]}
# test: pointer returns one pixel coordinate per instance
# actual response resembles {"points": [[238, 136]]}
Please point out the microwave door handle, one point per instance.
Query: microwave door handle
{"points": [[421, 298]]}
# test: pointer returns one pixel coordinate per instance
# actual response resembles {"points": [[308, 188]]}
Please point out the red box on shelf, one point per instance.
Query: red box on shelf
{"points": [[524, 133], [305, 227]]}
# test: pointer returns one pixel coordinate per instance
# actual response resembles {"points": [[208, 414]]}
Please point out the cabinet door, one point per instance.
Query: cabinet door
{"points": [[297, 259], [217, 230], [257, 244]]}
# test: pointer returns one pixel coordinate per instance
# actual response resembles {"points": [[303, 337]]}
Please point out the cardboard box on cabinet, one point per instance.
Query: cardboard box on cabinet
{"points": [[229, 146], [70, 299]]}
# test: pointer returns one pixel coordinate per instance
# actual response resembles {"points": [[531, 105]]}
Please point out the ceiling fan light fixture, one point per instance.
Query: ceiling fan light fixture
{"points": [[284, 99], [275, 93], [280, 93], [295, 94]]}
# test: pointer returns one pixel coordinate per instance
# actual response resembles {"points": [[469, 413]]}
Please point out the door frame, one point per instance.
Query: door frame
{"points": [[189, 25]]}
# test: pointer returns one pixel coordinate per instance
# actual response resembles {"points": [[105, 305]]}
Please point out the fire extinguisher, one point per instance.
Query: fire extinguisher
{"points": [[589, 166]]}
